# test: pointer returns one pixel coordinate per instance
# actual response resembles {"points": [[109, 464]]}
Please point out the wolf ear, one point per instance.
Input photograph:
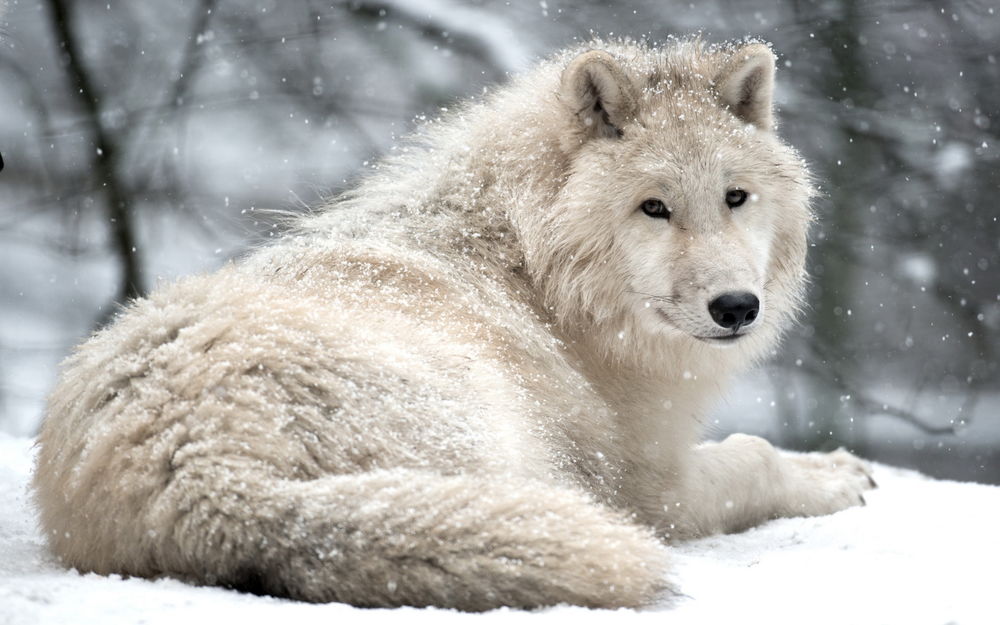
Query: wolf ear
{"points": [[596, 90], [746, 84]]}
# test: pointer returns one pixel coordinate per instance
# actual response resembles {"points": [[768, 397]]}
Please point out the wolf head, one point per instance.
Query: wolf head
{"points": [[681, 216]]}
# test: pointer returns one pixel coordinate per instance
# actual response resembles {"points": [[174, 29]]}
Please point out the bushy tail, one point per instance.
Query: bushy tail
{"points": [[403, 537]]}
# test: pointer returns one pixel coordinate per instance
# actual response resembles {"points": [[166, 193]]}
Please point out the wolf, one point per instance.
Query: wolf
{"points": [[478, 378]]}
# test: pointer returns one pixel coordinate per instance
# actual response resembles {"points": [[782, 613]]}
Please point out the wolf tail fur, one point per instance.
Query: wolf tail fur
{"points": [[389, 538], [404, 537]]}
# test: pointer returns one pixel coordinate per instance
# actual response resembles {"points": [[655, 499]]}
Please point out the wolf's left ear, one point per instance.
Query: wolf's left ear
{"points": [[746, 84], [598, 93]]}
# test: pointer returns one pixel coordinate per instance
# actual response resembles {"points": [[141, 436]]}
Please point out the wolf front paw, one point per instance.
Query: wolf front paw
{"points": [[823, 483]]}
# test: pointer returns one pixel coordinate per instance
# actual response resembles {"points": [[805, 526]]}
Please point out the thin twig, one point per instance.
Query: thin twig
{"points": [[832, 375]]}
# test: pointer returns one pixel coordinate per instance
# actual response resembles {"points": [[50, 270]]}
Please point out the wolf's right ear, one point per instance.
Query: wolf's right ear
{"points": [[746, 84], [597, 91]]}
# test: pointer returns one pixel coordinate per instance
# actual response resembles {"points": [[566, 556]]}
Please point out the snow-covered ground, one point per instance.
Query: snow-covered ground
{"points": [[922, 551]]}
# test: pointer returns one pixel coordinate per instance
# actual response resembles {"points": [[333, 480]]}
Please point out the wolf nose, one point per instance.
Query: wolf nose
{"points": [[734, 310]]}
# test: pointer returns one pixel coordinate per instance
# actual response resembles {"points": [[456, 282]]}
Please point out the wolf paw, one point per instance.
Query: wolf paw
{"points": [[823, 483]]}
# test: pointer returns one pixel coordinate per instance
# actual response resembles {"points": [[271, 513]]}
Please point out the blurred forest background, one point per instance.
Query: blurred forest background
{"points": [[144, 140]]}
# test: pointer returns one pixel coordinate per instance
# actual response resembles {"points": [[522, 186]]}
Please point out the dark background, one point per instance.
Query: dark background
{"points": [[144, 140]]}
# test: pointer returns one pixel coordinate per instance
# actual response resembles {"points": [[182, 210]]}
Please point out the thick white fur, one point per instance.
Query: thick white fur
{"points": [[474, 380]]}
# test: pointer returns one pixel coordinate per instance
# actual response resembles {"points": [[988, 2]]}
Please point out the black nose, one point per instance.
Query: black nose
{"points": [[734, 310]]}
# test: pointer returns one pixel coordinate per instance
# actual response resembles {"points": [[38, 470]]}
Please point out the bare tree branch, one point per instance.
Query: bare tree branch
{"points": [[834, 376], [173, 103], [118, 211]]}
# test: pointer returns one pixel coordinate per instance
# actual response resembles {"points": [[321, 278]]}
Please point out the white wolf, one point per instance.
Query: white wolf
{"points": [[475, 380]]}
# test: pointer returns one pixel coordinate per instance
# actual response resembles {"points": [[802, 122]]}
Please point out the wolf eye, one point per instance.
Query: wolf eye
{"points": [[655, 208], [735, 198]]}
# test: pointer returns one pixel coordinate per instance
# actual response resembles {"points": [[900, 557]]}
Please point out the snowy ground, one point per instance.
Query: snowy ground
{"points": [[923, 551]]}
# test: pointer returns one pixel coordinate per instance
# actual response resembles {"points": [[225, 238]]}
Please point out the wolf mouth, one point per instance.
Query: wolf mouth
{"points": [[725, 338], [728, 338]]}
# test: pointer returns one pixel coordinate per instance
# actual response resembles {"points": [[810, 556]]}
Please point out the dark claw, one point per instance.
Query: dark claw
{"points": [[862, 498], [872, 482]]}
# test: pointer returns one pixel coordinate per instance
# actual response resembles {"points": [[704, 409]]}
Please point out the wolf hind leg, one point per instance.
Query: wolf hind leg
{"points": [[405, 537]]}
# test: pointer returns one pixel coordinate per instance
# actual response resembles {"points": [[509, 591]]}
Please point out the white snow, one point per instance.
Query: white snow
{"points": [[952, 159], [920, 268], [922, 551]]}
